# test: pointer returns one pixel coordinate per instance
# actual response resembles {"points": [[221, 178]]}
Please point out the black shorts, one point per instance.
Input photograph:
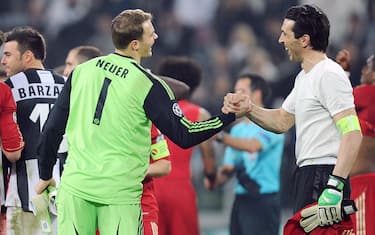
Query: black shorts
{"points": [[310, 182]]}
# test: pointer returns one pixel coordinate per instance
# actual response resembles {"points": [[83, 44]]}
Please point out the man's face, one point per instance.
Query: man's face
{"points": [[148, 39], [368, 72], [71, 62], [243, 86], [12, 59], [292, 45]]}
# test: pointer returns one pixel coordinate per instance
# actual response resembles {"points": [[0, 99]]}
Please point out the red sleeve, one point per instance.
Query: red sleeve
{"points": [[364, 98], [10, 134]]}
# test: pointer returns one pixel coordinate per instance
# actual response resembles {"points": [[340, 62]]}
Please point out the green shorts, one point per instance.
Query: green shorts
{"points": [[78, 216]]}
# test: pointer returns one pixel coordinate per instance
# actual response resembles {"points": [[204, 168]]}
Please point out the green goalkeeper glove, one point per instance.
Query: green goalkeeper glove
{"points": [[329, 208], [41, 210], [329, 202], [310, 221]]}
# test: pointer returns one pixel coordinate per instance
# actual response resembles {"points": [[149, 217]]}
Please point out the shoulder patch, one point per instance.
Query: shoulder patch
{"points": [[177, 110]]}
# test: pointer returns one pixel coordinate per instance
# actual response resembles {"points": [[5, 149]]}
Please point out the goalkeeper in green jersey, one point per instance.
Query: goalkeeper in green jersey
{"points": [[106, 109]]}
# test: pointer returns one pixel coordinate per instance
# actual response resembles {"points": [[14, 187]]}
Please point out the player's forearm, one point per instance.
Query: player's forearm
{"points": [[208, 157], [243, 144], [275, 120], [13, 156], [47, 152], [10, 135], [224, 174], [187, 134], [53, 132], [347, 153], [159, 168]]}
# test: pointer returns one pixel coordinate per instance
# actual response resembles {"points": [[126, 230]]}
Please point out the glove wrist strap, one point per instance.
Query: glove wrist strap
{"points": [[336, 182]]}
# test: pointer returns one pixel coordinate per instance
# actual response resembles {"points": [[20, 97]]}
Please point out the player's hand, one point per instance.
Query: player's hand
{"points": [[43, 184], [343, 58], [329, 207], [239, 104], [310, 220], [329, 202]]}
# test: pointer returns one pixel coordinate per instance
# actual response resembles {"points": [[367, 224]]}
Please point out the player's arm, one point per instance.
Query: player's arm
{"points": [[244, 144], [207, 152], [159, 168], [224, 174], [275, 120], [52, 134], [330, 208], [348, 124], [162, 109], [10, 135], [160, 164]]}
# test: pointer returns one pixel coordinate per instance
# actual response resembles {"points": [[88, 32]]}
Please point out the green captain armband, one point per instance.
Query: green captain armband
{"points": [[159, 150], [348, 123]]}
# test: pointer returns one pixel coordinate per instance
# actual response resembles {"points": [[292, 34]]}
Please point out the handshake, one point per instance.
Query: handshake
{"points": [[237, 103], [331, 207]]}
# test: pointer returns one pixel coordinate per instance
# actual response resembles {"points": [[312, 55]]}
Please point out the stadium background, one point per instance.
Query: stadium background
{"points": [[226, 37]]}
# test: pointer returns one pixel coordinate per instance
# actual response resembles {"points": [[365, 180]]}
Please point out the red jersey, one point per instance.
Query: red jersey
{"points": [[11, 138], [175, 192], [180, 158], [149, 204], [293, 227], [364, 98], [363, 193]]}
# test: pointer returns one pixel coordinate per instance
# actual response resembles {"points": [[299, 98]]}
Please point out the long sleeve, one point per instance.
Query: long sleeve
{"points": [[169, 119], [53, 132]]}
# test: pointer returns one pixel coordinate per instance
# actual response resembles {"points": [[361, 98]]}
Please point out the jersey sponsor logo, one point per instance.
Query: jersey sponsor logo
{"points": [[112, 68], [37, 90], [177, 110]]}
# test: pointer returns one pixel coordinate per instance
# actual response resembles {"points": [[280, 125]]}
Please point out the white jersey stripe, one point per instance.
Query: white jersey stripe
{"points": [[45, 76]]}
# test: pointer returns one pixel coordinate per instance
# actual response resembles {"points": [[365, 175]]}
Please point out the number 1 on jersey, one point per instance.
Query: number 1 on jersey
{"points": [[101, 101]]}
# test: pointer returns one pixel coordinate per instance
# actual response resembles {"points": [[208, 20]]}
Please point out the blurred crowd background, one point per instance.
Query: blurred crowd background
{"points": [[226, 37]]}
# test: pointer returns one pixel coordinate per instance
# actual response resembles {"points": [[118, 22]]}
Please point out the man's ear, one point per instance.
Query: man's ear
{"points": [[28, 56], [134, 45], [305, 40]]}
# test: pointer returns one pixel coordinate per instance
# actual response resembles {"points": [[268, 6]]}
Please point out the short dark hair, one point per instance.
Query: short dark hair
{"points": [[183, 69], [311, 20], [28, 39], [87, 52], [257, 83], [127, 26]]}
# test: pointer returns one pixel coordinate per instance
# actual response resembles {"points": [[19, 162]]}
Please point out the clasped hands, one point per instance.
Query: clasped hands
{"points": [[237, 103]]}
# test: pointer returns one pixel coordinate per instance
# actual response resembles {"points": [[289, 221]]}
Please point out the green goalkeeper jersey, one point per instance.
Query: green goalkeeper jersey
{"points": [[107, 106]]}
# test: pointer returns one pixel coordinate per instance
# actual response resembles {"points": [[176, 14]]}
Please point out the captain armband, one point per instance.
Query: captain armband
{"points": [[159, 150], [348, 123]]}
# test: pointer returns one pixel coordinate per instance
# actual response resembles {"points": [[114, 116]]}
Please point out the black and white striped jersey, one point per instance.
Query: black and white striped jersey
{"points": [[35, 91]]}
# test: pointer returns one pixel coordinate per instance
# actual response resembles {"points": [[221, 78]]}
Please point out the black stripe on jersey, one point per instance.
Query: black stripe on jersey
{"points": [[22, 184], [101, 101], [153, 79], [9, 83], [144, 71], [32, 76], [75, 230]]}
